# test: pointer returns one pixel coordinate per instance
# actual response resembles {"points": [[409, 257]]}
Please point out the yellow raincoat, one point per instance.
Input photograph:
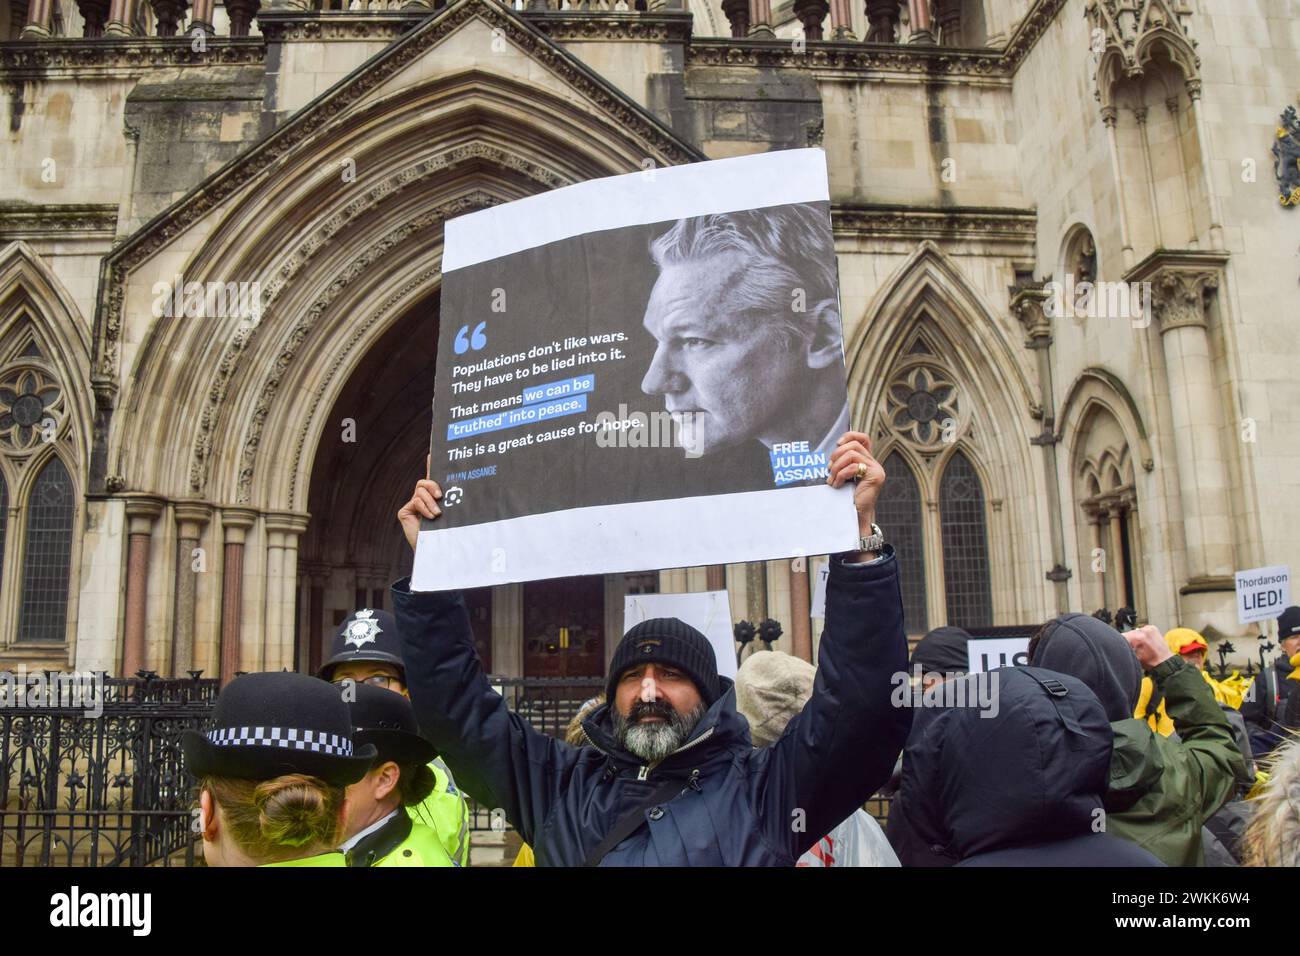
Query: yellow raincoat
{"points": [[1231, 690]]}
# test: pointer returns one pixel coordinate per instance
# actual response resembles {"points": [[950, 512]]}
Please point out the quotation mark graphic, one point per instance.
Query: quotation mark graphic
{"points": [[475, 342]]}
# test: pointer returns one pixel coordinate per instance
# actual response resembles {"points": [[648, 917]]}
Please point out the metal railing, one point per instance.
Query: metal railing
{"points": [[84, 789]]}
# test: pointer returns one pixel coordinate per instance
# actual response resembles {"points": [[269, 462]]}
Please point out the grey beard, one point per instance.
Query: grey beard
{"points": [[653, 742]]}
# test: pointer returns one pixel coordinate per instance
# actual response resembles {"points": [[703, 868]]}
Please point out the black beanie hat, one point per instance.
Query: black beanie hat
{"points": [[667, 640]]}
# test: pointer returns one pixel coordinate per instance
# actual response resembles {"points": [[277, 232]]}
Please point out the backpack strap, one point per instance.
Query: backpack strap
{"points": [[630, 823], [1058, 696]]}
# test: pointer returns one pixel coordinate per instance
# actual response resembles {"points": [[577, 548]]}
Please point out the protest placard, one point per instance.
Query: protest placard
{"points": [[989, 653], [640, 372], [1262, 593], [709, 612]]}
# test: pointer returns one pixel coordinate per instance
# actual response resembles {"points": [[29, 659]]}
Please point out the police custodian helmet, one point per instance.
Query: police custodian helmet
{"points": [[367, 635]]}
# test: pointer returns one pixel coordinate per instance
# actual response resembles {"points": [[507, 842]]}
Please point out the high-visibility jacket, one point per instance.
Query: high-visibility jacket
{"points": [[1231, 690], [445, 812], [422, 848], [329, 858], [401, 841]]}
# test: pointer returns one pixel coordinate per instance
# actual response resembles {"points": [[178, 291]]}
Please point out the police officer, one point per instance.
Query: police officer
{"points": [[366, 651], [273, 770], [380, 831]]}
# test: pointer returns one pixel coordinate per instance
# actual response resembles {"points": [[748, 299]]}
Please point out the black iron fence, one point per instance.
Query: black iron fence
{"points": [[92, 774], [99, 779]]}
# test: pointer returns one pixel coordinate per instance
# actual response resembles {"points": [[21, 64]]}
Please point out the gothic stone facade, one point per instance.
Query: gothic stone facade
{"points": [[208, 493]]}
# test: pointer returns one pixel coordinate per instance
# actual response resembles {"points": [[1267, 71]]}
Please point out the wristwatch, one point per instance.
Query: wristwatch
{"points": [[874, 542]]}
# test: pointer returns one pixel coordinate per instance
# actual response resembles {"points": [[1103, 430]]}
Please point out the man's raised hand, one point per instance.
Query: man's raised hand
{"points": [[851, 459], [423, 504], [1149, 646]]}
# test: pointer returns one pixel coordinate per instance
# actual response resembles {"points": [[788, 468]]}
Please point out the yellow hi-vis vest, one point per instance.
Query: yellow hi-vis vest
{"points": [[446, 813]]}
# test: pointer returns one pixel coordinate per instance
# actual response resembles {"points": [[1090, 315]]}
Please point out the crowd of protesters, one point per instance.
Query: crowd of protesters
{"points": [[1107, 748]]}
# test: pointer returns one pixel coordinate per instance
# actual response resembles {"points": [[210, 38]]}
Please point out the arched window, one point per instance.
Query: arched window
{"points": [[4, 523], [899, 516], [965, 545], [47, 557]]}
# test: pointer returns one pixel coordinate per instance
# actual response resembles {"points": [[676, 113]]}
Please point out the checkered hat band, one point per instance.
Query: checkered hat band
{"points": [[290, 738]]}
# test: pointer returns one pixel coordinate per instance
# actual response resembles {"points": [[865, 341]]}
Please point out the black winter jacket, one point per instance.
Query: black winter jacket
{"points": [[737, 806]]}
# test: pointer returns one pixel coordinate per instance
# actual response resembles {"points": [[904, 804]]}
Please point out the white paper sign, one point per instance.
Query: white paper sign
{"points": [[615, 389], [819, 593], [988, 653], [1263, 593], [709, 612]]}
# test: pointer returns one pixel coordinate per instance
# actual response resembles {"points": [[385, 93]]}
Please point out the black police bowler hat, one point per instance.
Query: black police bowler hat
{"points": [[385, 718], [367, 635], [267, 725]]}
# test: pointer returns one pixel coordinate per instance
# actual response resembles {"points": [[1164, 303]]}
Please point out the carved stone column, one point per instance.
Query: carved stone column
{"points": [[241, 15], [1028, 306], [95, 13], [235, 522], [141, 513], [191, 518], [811, 14], [1109, 119], [1094, 516], [737, 14], [715, 576], [169, 14], [760, 19], [201, 17], [282, 531], [1117, 555], [841, 20], [1202, 137], [800, 611], [121, 14], [882, 21], [1140, 115], [947, 17], [1181, 285], [37, 26], [756, 591], [317, 576], [919, 17]]}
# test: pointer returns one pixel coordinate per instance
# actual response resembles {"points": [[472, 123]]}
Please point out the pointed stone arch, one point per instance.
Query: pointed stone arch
{"points": [[41, 328], [927, 315], [328, 260], [1104, 439]]}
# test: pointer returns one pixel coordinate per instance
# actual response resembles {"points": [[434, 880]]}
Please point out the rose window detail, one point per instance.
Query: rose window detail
{"points": [[29, 400], [918, 403]]}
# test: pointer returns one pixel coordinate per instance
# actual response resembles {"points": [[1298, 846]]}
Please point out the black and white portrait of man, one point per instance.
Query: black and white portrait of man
{"points": [[745, 314]]}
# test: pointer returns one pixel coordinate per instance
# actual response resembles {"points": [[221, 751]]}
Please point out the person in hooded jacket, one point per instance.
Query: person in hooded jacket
{"points": [[1162, 789], [1021, 784], [939, 656], [670, 777]]}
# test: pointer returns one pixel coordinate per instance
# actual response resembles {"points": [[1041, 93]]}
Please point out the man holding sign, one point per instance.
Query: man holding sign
{"points": [[672, 778]]}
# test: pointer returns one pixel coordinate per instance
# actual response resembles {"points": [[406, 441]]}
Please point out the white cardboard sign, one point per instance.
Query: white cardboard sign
{"points": [[1262, 593], [709, 612], [988, 653]]}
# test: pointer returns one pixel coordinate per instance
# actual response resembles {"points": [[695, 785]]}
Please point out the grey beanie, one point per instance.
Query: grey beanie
{"points": [[771, 688]]}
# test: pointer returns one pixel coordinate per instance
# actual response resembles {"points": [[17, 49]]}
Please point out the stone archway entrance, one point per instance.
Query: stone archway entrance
{"points": [[371, 451]]}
